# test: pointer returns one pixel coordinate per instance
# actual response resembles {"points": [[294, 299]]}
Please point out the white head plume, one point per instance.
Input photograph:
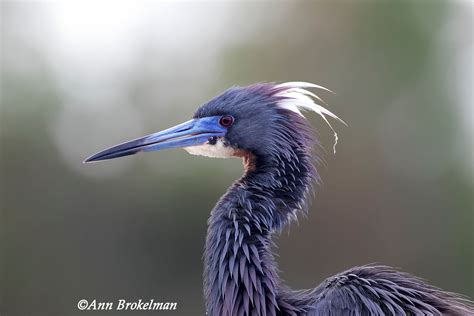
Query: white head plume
{"points": [[296, 98]]}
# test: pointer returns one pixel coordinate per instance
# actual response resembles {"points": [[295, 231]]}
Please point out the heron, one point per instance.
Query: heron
{"points": [[264, 125]]}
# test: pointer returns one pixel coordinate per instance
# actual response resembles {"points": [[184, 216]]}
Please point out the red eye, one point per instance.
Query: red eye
{"points": [[226, 120]]}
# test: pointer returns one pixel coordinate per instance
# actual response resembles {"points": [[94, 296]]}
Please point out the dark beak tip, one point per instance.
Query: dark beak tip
{"points": [[91, 159], [87, 161]]}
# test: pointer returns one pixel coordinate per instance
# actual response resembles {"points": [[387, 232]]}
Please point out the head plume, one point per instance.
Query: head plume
{"points": [[295, 97]]}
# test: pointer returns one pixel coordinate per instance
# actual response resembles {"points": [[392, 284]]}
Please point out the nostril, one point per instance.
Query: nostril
{"points": [[183, 129]]}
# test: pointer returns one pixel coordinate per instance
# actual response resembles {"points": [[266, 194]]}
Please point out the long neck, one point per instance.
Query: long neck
{"points": [[240, 274]]}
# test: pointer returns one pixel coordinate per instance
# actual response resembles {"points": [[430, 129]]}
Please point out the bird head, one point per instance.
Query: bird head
{"points": [[261, 121]]}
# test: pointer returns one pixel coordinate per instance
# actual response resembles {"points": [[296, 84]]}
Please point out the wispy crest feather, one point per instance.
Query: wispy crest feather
{"points": [[295, 97]]}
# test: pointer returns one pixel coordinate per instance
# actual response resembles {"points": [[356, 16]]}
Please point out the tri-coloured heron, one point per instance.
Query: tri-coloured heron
{"points": [[264, 125]]}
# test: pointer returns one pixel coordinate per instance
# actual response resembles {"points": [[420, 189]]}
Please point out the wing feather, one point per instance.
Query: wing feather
{"points": [[380, 290]]}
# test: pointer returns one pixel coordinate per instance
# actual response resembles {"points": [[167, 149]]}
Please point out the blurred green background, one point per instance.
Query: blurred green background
{"points": [[80, 76]]}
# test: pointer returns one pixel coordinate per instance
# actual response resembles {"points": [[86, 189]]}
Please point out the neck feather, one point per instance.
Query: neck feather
{"points": [[240, 274]]}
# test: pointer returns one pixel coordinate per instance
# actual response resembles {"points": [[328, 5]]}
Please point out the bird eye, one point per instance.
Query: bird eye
{"points": [[226, 120]]}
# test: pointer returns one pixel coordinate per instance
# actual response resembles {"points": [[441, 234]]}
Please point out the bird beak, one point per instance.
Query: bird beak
{"points": [[190, 133]]}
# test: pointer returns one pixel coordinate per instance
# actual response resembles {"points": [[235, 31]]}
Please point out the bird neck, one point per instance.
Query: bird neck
{"points": [[240, 273], [281, 182]]}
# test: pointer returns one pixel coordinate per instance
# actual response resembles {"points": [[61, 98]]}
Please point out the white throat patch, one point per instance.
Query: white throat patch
{"points": [[218, 150]]}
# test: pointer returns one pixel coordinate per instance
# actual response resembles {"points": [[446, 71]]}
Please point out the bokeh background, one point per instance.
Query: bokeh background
{"points": [[77, 77]]}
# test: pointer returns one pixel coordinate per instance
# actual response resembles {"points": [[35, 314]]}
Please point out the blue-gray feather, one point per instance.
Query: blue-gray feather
{"points": [[240, 273]]}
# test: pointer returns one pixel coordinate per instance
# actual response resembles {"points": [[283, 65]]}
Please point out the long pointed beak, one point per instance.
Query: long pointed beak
{"points": [[190, 133]]}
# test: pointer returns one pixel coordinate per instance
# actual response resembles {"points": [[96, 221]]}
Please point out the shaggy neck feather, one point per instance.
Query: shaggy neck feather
{"points": [[240, 275]]}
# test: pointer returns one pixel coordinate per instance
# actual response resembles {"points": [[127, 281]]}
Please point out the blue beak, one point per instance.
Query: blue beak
{"points": [[191, 133]]}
